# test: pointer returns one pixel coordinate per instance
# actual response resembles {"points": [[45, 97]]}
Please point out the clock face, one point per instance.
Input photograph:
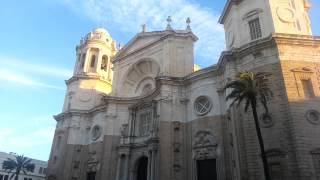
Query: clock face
{"points": [[286, 14]]}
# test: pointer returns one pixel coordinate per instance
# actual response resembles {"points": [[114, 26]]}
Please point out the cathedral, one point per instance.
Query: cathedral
{"points": [[144, 112]]}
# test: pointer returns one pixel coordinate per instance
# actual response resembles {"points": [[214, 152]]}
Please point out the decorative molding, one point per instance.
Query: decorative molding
{"points": [[252, 14], [313, 116], [286, 14], [124, 130], [176, 125], [184, 101], [266, 120], [96, 132], [176, 147], [302, 70], [93, 164], [315, 151]]}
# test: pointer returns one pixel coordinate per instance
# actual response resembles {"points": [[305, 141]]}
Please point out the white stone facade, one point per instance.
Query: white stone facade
{"points": [[39, 172], [164, 121]]}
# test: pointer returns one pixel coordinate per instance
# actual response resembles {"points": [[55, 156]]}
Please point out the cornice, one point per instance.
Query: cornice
{"points": [[226, 9], [89, 43], [86, 77], [273, 40], [132, 100], [75, 112], [296, 39]]}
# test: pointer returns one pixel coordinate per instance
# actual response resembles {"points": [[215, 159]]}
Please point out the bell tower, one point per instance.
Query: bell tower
{"points": [[291, 16], [93, 73], [246, 21]]}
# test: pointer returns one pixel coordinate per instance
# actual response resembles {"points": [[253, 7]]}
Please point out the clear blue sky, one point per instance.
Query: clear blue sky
{"points": [[37, 53]]}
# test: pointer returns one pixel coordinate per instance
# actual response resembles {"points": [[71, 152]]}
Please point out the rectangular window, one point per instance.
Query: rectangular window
{"points": [[255, 29], [40, 170], [307, 88], [6, 177], [144, 123], [1, 177], [44, 170]]}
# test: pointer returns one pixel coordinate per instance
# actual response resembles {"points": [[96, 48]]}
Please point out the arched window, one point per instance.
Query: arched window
{"points": [[104, 63], [93, 61]]}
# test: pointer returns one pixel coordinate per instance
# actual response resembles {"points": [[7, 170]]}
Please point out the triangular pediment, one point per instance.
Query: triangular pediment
{"points": [[139, 42]]}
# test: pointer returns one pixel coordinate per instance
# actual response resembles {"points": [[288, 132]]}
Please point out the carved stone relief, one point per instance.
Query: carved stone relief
{"points": [[176, 147], [124, 130], [204, 146], [286, 14], [93, 164]]}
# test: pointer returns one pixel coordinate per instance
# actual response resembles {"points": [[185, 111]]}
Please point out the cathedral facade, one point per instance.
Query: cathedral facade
{"points": [[143, 113]]}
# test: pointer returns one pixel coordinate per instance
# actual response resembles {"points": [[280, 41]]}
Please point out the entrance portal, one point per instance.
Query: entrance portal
{"points": [[91, 175], [142, 169], [206, 169]]}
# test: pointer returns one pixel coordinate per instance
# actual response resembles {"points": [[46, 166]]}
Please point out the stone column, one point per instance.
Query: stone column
{"points": [[98, 61], [126, 167], [118, 168], [149, 166], [76, 66], [85, 69], [108, 65]]}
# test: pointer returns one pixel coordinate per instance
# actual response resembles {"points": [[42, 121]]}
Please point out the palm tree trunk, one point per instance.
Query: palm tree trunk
{"points": [[263, 154]]}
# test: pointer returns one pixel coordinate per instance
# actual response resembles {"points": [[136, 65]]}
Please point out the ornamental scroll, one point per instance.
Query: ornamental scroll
{"points": [[204, 146]]}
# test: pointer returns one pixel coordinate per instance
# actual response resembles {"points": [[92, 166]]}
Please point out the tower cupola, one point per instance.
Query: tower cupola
{"points": [[94, 53]]}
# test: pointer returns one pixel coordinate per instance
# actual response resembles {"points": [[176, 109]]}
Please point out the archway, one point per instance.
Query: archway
{"points": [[142, 169]]}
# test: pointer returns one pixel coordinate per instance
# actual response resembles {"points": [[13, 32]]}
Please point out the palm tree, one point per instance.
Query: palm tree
{"points": [[18, 165], [250, 87]]}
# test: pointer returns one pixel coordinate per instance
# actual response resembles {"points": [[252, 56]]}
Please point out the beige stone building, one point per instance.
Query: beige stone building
{"points": [[143, 113]]}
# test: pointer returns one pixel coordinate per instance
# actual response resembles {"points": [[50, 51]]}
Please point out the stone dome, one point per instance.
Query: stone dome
{"points": [[101, 30]]}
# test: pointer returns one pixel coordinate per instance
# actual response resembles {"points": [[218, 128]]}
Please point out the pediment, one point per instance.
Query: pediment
{"points": [[137, 43]]}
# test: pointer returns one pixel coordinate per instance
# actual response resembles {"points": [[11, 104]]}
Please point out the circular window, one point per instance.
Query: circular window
{"points": [[313, 116], [266, 120], [202, 105], [96, 132]]}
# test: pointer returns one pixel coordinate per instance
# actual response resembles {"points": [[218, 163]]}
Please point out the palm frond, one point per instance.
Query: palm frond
{"points": [[250, 86]]}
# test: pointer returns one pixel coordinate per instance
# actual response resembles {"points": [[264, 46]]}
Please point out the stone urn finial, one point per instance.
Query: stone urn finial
{"points": [[169, 20], [188, 21], [144, 28]]}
